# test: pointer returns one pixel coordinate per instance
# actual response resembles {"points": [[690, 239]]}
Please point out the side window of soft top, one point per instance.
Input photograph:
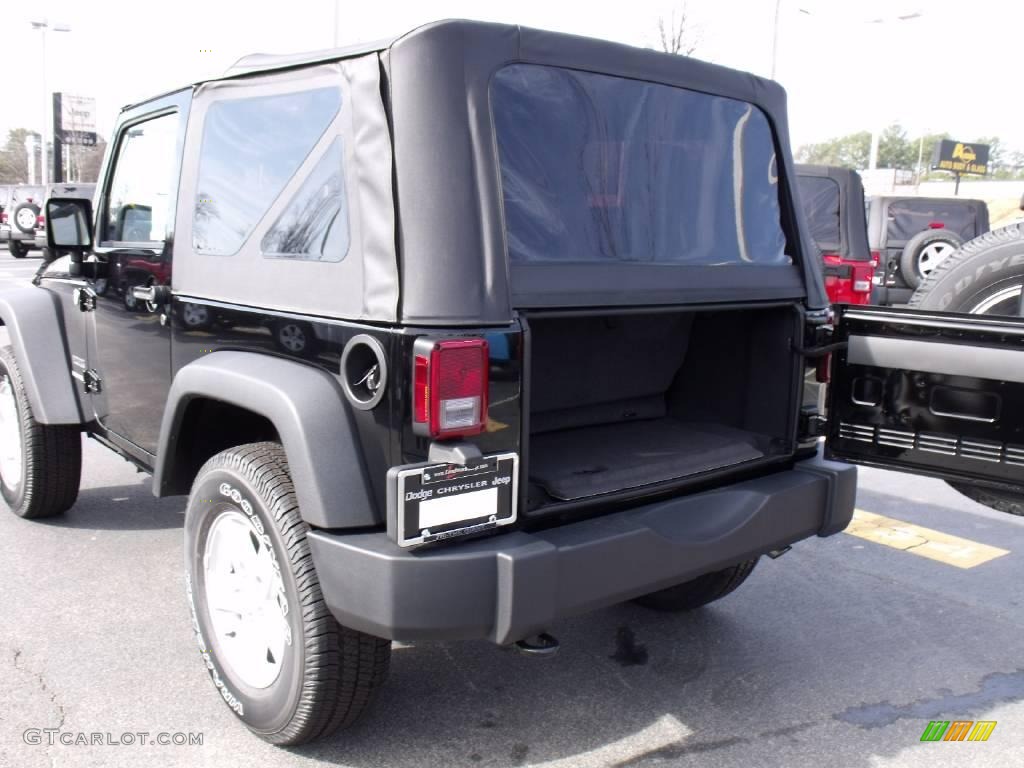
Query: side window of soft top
{"points": [[140, 195]]}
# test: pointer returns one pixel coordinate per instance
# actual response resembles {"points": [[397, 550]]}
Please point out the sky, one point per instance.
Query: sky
{"points": [[847, 66]]}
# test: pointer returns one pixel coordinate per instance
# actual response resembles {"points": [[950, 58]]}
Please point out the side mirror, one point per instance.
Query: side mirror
{"points": [[69, 224]]}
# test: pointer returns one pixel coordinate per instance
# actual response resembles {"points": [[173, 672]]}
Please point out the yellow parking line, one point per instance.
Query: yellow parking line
{"points": [[935, 545]]}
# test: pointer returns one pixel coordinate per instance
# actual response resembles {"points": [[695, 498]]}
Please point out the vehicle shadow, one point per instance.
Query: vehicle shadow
{"points": [[130, 507], [809, 648]]}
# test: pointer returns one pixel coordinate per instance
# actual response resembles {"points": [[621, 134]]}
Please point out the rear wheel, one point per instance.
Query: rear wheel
{"points": [[17, 248], [40, 464], [700, 591], [277, 656]]}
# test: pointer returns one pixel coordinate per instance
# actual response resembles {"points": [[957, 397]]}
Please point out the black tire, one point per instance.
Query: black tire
{"points": [[983, 269], [328, 674], [917, 249], [1000, 501], [700, 591], [973, 280], [25, 227], [17, 248], [51, 455]]}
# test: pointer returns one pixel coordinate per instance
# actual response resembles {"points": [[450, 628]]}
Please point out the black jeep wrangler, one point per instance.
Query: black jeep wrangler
{"points": [[560, 302]]}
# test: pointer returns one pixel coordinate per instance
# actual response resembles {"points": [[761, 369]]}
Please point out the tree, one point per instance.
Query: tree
{"points": [[997, 157], [895, 150], [849, 151], [14, 158], [679, 35], [89, 159]]}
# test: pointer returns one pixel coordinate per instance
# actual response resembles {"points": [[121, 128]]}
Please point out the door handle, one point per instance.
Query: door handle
{"points": [[156, 295]]}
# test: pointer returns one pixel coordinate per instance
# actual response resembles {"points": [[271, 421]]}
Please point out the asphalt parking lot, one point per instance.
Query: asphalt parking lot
{"points": [[839, 653]]}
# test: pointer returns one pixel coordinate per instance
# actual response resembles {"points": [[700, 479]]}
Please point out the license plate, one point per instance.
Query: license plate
{"points": [[432, 502]]}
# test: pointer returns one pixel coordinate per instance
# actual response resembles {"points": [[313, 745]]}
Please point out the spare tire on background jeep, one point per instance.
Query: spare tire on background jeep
{"points": [[984, 277], [924, 252]]}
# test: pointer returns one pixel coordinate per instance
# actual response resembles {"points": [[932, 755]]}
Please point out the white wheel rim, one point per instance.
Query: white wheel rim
{"points": [[986, 305], [245, 599], [10, 436], [932, 255], [292, 338], [26, 219], [195, 315]]}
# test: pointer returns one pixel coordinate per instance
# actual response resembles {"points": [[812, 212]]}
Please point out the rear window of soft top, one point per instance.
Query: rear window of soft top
{"points": [[596, 168]]}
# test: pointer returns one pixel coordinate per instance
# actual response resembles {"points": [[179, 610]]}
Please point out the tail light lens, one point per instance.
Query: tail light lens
{"points": [[3, 218], [41, 220], [862, 276], [449, 387]]}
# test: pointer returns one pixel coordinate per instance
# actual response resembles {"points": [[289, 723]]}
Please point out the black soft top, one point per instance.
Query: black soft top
{"points": [[907, 215], [451, 231], [448, 262], [852, 217]]}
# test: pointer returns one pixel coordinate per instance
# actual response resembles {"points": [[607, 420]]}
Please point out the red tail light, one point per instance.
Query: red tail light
{"points": [[41, 220], [936, 225], [848, 281], [3, 218], [449, 387]]}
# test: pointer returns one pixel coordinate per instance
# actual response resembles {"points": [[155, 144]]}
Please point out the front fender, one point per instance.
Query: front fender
{"points": [[309, 413], [36, 328]]}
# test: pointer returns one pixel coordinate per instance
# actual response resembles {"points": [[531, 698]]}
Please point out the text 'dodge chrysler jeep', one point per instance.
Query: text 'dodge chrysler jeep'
{"points": [[454, 336]]}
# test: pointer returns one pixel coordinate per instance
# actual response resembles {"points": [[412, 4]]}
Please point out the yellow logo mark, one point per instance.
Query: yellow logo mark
{"points": [[982, 730], [964, 152]]}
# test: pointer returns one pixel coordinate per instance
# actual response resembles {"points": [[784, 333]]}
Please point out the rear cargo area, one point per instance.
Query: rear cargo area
{"points": [[623, 401]]}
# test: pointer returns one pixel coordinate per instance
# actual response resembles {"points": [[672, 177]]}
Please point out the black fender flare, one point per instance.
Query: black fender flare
{"points": [[311, 416], [36, 327]]}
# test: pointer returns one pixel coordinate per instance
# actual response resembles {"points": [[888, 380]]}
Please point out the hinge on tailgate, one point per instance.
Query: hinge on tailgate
{"points": [[84, 299], [90, 381]]}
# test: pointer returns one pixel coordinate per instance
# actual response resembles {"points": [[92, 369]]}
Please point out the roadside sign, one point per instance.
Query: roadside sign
{"points": [[75, 119], [960, 157]]}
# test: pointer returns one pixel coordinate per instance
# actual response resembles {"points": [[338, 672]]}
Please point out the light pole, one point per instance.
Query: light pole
{"points": [[42, 26], [875, 133]]}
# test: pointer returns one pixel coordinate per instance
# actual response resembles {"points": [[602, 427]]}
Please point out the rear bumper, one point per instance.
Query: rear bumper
{"points": [[513, 585]]}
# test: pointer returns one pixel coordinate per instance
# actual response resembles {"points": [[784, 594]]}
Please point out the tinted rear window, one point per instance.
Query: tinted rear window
{"points": [[597, 168], [908, 217], [819, 196]]}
